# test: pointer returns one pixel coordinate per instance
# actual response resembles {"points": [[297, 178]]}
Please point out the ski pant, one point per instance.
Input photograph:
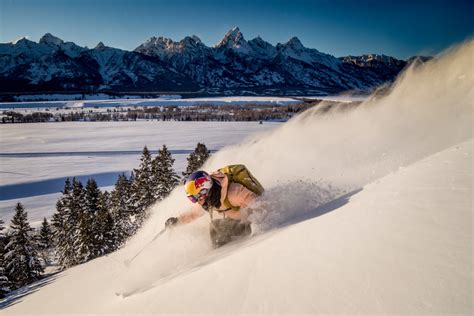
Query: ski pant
{"points": [[225, 230]]}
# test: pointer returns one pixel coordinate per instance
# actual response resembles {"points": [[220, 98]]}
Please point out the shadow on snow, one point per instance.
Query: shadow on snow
{"points": [[16, 296], [42, 187]]}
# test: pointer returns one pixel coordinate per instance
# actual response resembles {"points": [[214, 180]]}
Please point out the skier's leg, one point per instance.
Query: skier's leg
{"points": [[222, 230], [240, 229], [219, 236]]}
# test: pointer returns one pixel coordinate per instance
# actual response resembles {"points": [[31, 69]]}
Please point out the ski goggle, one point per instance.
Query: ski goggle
{"points": [[195, 198]]}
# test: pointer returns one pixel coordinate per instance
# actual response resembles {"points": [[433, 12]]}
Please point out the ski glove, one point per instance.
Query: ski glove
{"points": [[170, 222]]}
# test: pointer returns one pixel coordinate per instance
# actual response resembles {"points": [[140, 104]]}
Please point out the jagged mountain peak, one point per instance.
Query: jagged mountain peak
{"points": [[294, 49], [295, 43], [100, 46], [233, 40], [160, 39], [192, 44], [378, 57], [258, 39], [51, 40], [165, 41], [186, 49], [24, 45], [55, 43], [262, 48], [259, 42], [233, 36], [291, 47], [23, 41], [26, 49], [156, 46], [234, 32], [191, 39]]}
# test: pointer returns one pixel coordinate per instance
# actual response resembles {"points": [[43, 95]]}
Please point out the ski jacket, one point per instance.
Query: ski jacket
{"points": [[237, 196]]}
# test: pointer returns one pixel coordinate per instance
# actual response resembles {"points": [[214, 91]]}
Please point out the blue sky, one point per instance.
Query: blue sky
{"points": [[398, 28]]}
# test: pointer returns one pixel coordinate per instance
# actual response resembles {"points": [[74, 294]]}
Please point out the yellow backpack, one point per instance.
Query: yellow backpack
{"points": [[240, 174]]}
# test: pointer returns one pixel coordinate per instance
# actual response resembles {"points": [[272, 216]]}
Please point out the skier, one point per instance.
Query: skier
{"points": [[226, 193]]}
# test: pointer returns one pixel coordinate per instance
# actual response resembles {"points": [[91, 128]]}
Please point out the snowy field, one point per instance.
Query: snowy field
{"points": [[340, 98], [59, 97], [163, 101], [35, 159], [367, 211]]}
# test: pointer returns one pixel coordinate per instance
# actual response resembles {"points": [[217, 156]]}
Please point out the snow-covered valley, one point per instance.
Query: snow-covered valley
{"points": [[366, 211], [133, 102]]}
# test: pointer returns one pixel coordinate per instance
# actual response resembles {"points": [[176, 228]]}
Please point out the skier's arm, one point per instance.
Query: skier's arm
{"points": [[195, 212]]}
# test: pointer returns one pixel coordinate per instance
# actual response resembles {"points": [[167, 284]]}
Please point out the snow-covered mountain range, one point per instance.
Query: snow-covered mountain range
{"points": [[232, 66]]}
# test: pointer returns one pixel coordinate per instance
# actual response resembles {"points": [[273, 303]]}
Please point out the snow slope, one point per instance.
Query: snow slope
{"points": [[366, 211], [402, 245]]}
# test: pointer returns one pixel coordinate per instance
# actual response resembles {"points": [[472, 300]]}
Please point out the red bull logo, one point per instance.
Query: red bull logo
{"points": [[199, 182]]}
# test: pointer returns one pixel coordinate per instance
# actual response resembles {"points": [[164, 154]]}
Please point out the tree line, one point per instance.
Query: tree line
{"points": [[246, 113], [88, 223]]}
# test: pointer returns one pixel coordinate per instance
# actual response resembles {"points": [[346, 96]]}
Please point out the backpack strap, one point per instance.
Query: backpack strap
{"points": [[229, 206]]}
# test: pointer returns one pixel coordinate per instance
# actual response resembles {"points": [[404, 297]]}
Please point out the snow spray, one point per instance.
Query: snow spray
{"points": [[321, 154]]}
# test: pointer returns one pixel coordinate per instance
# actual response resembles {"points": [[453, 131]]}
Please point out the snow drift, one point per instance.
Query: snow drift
{"points": [[313, 165]]}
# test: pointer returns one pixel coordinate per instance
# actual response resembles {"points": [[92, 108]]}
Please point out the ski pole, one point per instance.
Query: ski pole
{"points": [[128, 262]]}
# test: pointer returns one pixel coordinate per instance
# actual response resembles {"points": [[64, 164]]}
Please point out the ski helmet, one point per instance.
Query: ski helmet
{"points": [[197, 186]]}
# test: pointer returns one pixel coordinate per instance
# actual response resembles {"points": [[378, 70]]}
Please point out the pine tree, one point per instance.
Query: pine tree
{"points": [[45, 236], [165, 178], [45, 241], [105, 236], [4, 281], [65, 223], [89, 224], [87, 243], [143, 194], [121, 210], [196, 159], [59, 233], [23, 266], [132, 177], [105, 200]]}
